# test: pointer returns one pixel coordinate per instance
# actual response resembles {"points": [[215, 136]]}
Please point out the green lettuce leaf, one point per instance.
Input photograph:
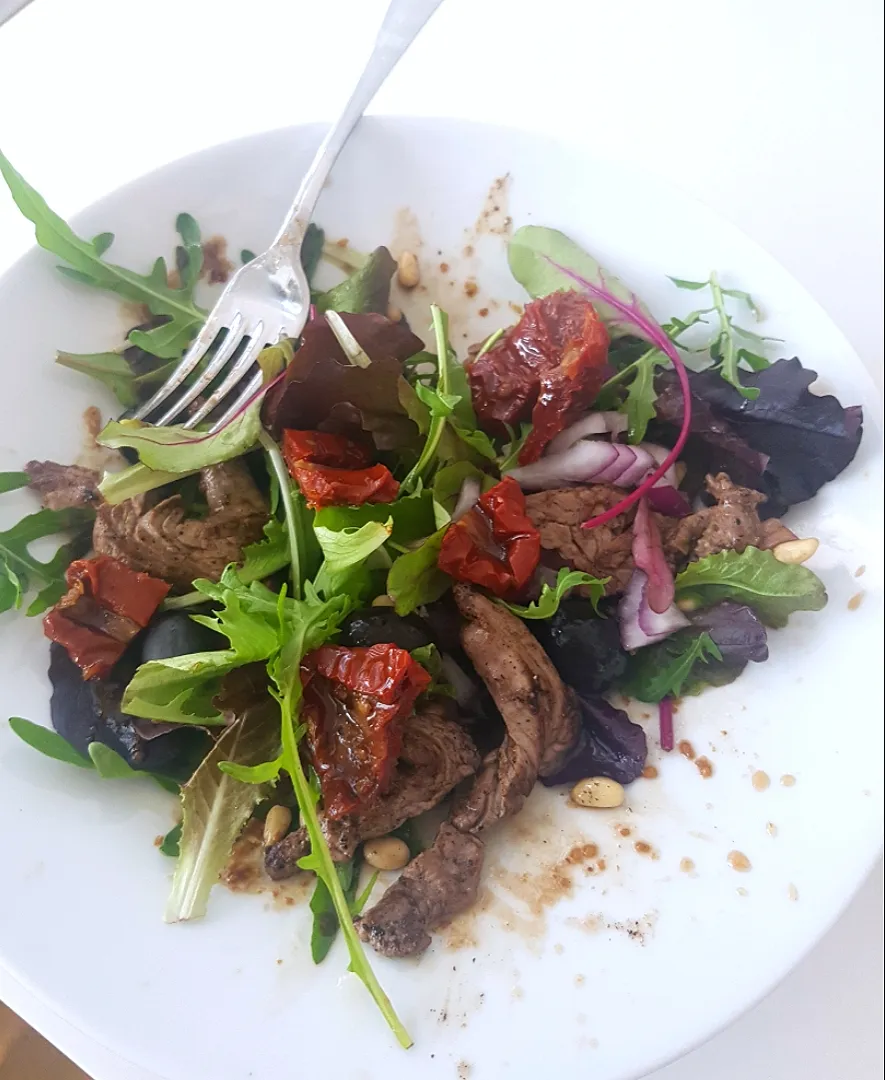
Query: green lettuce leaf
{"points": [[345, 552], [215, 807], [411, 515], [48, 742], [548, 602], [366, 290], [415, 579], [530, 252], [774, 590], [666, 669]]}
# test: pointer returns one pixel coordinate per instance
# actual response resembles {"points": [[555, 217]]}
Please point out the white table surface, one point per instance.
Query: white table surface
{"points": [[768, 110]]}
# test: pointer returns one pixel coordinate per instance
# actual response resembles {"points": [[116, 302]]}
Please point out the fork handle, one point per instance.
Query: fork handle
{"points": [[403, 21]]}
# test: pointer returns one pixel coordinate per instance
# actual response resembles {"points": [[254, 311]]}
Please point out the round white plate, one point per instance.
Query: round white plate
{"points": [[606, 968]]}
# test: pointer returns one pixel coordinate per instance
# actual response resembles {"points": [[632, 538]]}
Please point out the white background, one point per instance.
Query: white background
{"points": [[768, 110]]}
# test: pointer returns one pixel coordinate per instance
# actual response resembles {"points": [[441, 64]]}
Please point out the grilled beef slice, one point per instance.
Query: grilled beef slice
{"points": [[437, 754], [538, 710], [62, 487], [436, 885], [159, 540]]}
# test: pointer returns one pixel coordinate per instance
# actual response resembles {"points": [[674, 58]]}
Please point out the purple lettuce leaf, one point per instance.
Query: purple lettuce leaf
{"points": [[787, 443], [738, 634], [609, 744]]}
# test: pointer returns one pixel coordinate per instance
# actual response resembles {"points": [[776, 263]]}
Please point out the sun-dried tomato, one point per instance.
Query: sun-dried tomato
{"points": [[548, 368], [322, 485], [323, 448], [495, 544], [354, 702], [104, 608]]}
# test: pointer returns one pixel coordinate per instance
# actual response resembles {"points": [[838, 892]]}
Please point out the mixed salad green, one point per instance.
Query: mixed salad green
{"points": [[615, 426]]}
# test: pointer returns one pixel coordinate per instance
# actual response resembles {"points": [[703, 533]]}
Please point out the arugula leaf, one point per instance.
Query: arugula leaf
{"points": [[510, 458], [415, 579], [189, 254], [48, 742], [774, 590], [411, 517], [533, 250], [641, 395], [20, 571], [366, 290], [171, 845], [346, 550], [664, 669], [12, 481], [325, 919], [109, 368], [86, 265], [724, 348], [548, 602], [215, 807], [310, 625]]}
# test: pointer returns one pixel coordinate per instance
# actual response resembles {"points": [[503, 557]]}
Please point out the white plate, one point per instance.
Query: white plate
{"points": [[634, 963]]}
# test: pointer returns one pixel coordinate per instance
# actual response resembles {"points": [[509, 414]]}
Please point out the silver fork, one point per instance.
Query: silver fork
{"points": [[269, 298]]}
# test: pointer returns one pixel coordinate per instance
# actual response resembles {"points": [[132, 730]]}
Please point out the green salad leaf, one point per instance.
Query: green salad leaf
{"points": [[411, 517], [415, 579], [548, 602], [215, 807], [532, 253], [12, 481], [345, 556], [666, 668], [774, 590], [325, 918], [110, 368], [86, 265], [171, 845], [21, 572], [366, 290], [48, 742]]}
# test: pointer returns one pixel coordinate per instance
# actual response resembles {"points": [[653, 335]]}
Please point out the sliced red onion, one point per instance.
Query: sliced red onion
{"points": [[665, 719], [461, 683], [639, 624], [467, 497], [597, 423], [648, 556], [587, 461]]}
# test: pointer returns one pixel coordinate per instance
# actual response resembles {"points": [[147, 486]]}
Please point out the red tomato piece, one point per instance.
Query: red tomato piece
{"points": [[547, 368], [325, 486], [354, 702], [104, 608], [323, 448], [495, 544]]}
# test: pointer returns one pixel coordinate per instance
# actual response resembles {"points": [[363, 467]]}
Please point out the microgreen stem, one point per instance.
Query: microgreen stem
{"points": [[437, 423], [326, 871], [293, 520]]}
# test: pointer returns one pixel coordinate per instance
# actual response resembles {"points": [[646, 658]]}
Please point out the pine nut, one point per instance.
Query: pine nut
{"points": [[394, 313], [408, 273], [276, 824], [599, 792], [687, 603], [384, 601], [387, 853], [794, 552]]}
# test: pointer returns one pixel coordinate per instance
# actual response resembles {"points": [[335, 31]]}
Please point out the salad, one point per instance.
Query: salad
{"points": [[399, 579]]}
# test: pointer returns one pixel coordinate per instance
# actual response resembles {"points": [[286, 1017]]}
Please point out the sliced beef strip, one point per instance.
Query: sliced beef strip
{"points": [[161, 541], [437, 754], [539, 711], [439, 883], [732, 524], [604, 552], [62, 487]]}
